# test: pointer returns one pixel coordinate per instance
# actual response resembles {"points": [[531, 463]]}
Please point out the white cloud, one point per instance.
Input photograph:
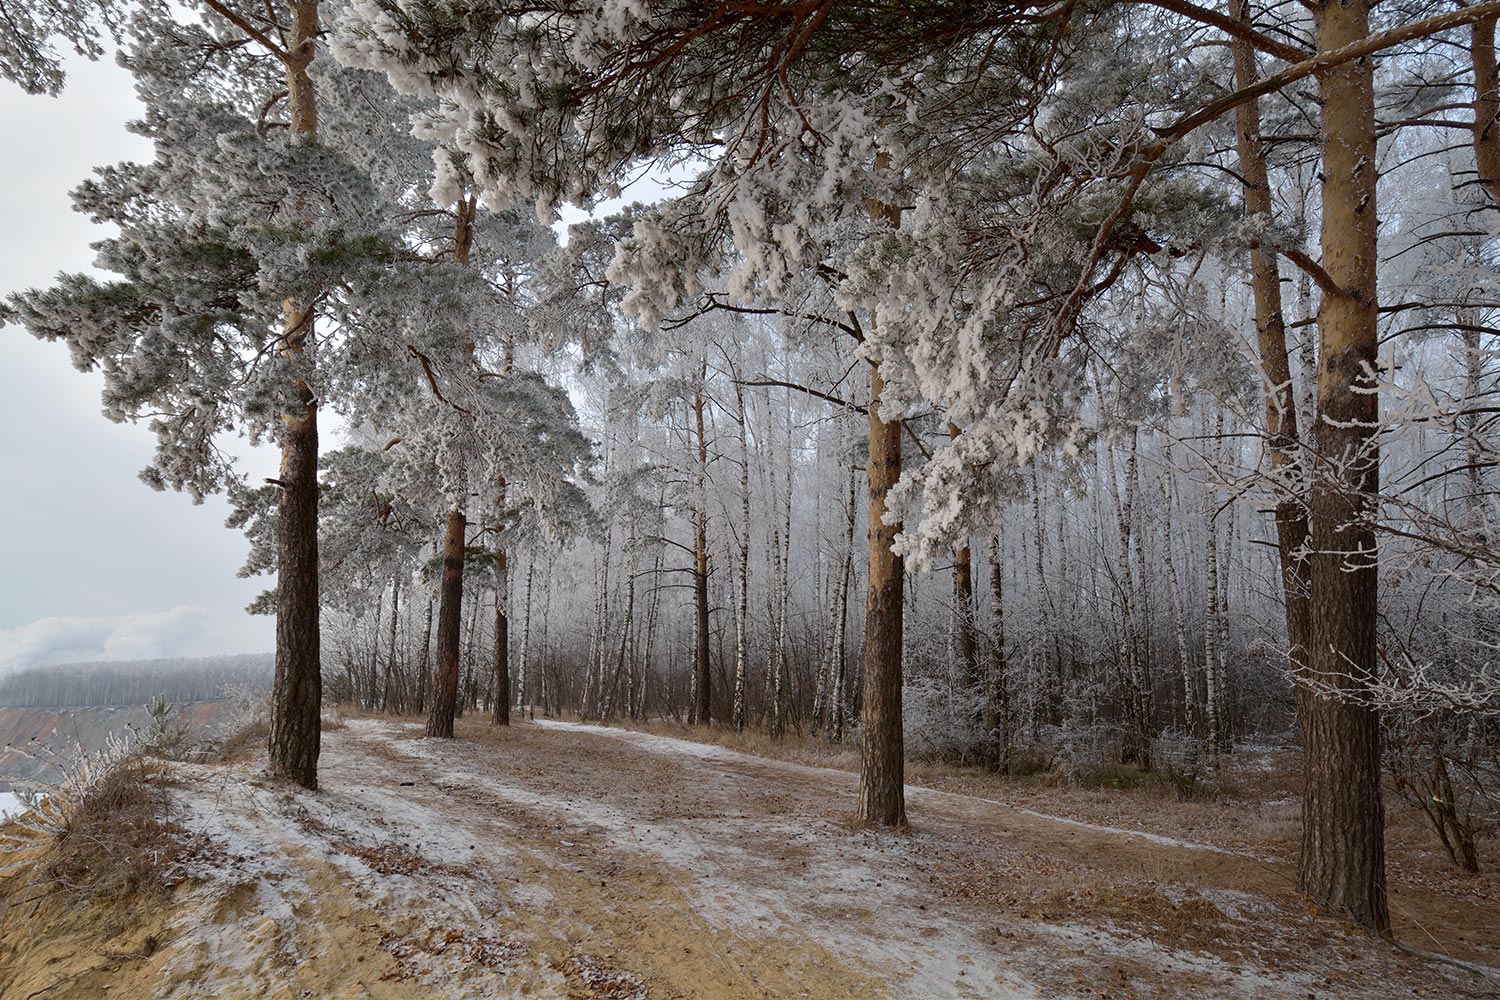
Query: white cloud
{"points": [[126, 637]]}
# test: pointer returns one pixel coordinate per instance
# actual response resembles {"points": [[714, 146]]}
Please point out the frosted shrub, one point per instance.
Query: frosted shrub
{"points": [[245, 707], [943, 722], [333, 716], [246, 720], [1081, 747], [52, 809]]}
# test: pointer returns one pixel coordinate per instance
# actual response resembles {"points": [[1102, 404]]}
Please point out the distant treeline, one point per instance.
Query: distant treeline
{"points": [[134, 682]]}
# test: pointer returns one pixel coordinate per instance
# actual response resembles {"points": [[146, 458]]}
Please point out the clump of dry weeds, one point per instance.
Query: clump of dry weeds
{"points": [[120, 842]]}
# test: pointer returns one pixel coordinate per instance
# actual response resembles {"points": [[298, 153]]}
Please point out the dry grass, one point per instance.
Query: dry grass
{"points": [[120, 844], [245, 743], [108, 868]]}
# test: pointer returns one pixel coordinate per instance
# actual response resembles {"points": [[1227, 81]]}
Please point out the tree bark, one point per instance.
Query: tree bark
{"points": [[1212, 701], [386, 698], [997, 688], [442, 705], [704, 704], [741, 583], [1137, 688], [1342, 865], [963, 604], [523, 678], [1179, 624], [781, 597], [425, 673], [1486, 106], [1282, 435], [882, 798], [839, 710], [297, 692], [501, 699]]}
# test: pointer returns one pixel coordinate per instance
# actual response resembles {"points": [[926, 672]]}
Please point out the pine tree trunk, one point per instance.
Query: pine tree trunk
{"points": [[363, 688], [597, 631], [297, 693], [1342, 865], [1212, 721], [468, 691], [627, 629], [1137, 696], [653, 607], [882, 798], [1486, 106], [1282, 435], [443, 700], [1049, 685], [443, 705]]}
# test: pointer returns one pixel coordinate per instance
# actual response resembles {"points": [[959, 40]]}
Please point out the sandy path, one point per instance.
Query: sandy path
{"points": [[712, 873], [569, 861]]}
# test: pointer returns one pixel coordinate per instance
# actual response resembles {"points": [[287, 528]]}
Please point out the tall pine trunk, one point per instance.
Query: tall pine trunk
{"points": [[781, 598], [1486, 106], [963, 606], [882, 799], [297, 694], [443, 706], [1282, 436], [1342, 865]]}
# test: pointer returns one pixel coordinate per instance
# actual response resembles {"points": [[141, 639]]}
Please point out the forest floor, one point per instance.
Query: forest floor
{"points": [[579, 862]]}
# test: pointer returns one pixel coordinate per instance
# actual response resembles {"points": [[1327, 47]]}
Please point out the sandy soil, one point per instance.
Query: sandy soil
{"points": [[556, 860]]}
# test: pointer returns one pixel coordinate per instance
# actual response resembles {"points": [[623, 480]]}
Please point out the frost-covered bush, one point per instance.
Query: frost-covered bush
{"points": [[246, 719], [51, 809], [944, 722], [1081, 747], [244, 708]]}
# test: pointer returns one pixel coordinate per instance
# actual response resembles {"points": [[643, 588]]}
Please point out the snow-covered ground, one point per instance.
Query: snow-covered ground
{"points": [[10, 804]]}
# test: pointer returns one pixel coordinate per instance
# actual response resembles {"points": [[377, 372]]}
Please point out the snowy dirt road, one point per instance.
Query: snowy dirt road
{"points": [[557, 860]]}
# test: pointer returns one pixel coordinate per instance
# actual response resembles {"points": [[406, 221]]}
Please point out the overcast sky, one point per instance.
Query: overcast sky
{"points": [[93, 564]]}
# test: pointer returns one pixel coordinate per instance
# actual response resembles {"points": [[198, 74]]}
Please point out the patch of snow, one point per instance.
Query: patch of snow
{"points": [[258, 899]]}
